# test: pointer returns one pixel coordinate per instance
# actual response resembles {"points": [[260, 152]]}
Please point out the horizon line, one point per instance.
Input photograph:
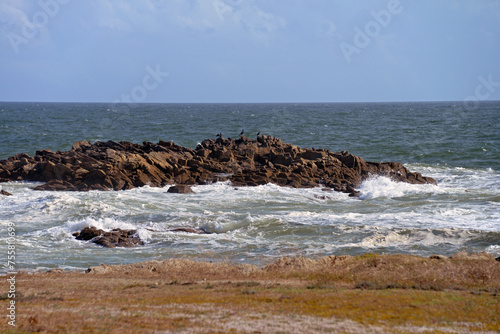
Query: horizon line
{"points": [[293, 102]]}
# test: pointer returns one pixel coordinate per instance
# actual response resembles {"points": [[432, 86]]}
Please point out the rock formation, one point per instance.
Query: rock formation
{"points": [[180, 189], [245, 162], [5, 193], [123, 238], [114, 238]]}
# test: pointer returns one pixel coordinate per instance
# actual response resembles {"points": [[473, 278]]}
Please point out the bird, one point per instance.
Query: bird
{"points": [[242, 132], [258, 133], [219, 135]]}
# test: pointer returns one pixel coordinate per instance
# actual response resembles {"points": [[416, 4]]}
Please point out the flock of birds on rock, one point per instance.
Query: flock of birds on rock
{"points": [[219, 135]]}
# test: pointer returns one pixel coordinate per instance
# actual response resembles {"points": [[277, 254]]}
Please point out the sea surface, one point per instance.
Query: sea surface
{"points": [[458, 146]]}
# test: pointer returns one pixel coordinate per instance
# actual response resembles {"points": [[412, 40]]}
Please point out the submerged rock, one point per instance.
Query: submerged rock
{"points": [[193, 230], [5, 193], [245, 162]]}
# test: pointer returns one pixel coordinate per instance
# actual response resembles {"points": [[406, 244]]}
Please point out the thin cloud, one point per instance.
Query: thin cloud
{"points": [[25, 22], [227, 16], [12, 17]]}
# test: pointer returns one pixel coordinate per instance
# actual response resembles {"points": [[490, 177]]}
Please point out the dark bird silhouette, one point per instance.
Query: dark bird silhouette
{"points": [[219, 135], [242, 132], [258, 133]]}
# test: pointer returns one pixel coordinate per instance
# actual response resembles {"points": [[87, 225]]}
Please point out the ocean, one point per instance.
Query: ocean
{"points": [[458, 146]]}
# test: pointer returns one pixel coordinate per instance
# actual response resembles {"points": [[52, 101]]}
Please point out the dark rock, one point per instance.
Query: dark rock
{"points": [[245, 162], [80, 145], [57, 185], [5, 193], [180, 189], [188, 230], [312, 155], [322, 197], [119, 238], [114, 238], [88, 233]]}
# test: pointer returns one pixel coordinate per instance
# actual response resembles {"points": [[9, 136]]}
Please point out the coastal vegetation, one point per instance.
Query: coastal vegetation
{"points": [[369, 293]]}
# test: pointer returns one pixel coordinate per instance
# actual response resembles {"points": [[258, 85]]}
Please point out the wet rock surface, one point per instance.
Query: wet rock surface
{"points": [[245, 162], [5, 193], [114, 238], [193, 230], [180, 189], [123, 238]]}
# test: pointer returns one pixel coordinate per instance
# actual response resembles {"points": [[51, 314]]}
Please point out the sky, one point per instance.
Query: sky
{"points": [[232, 51]]}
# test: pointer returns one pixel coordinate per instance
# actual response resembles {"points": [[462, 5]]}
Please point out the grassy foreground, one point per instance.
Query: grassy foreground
{"points": [[343, 294]]}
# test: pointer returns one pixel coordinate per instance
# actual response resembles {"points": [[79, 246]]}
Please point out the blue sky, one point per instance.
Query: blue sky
{"points": [[249, 50]]}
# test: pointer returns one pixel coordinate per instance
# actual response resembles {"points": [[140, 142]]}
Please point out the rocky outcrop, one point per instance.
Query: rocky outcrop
{"points": [[245, 162], [114, 238], [123, 238], [5, 193]]}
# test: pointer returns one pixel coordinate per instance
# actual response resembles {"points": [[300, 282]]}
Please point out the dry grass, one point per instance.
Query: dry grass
{"points": [[364, 294]]}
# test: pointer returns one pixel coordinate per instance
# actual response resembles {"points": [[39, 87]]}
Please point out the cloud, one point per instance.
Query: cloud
{"points": [[126, 15], [115, 15], [329, 29], [260, 22], [212, 16], [261, 25], [222, 9], [24, 22], [13, 15], [202, 15]]}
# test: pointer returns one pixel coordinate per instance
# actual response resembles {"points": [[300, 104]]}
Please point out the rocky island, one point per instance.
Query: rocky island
{"points": [[245, 162]]}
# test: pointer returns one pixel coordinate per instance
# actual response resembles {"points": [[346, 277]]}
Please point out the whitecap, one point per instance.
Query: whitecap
{"points": [[494, 250], [381, 186], [383, 240], [106, 224]]}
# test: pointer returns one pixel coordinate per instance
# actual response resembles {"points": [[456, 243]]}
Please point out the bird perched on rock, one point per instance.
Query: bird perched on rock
{"points": [[242, 132], [219, 135], [260, 138]]}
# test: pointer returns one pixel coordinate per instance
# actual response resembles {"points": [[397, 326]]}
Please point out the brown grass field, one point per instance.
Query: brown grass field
{"points": [[344, 294]]}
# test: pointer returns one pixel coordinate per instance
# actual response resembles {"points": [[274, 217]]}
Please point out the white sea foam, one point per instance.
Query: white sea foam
{"points": [[410, 238], [62, 232], [106, 224], [256, 223], [384, 240], [460, 177], [494, 250], [380, 186]]}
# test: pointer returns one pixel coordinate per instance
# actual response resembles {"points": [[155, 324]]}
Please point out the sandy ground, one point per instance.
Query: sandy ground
{"points": [[365, 294]]}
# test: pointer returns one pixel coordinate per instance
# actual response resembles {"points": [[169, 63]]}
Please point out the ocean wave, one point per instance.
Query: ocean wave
{"points": [[381, 186], [446, 240], [249, 223], [461, 177]]}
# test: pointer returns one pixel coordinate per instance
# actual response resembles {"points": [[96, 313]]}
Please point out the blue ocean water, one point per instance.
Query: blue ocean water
{"points": [[458, 146]]}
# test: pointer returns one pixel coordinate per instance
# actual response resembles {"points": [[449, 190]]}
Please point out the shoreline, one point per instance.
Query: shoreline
{"points": [[369, 293]]}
